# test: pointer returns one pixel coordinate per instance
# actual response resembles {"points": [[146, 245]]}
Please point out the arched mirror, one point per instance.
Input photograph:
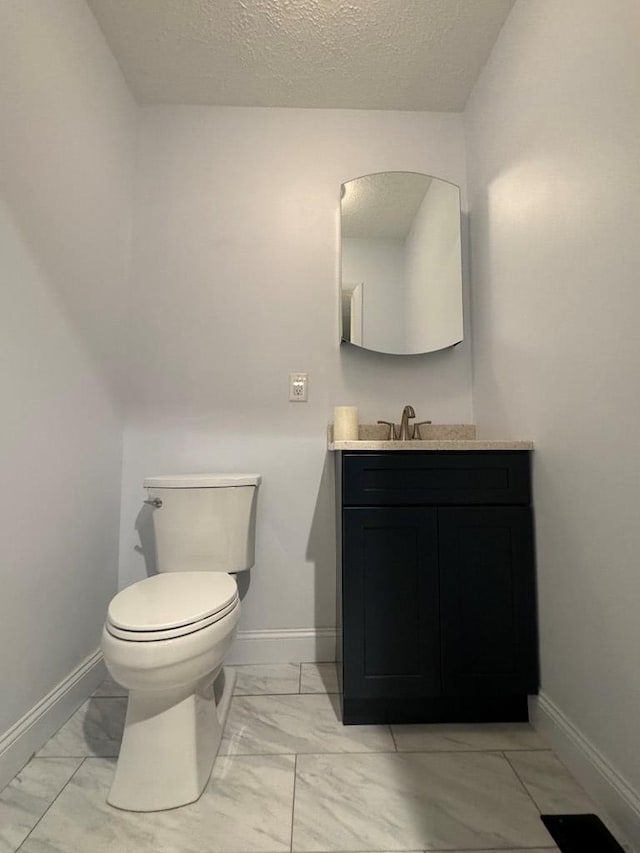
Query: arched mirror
{"points": [[401, 271]]}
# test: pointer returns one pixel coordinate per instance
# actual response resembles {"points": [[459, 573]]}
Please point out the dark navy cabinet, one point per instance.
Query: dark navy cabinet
{"points": [[436, 586]]}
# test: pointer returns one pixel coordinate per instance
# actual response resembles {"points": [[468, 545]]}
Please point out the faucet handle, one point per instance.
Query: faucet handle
{"points": [[416, 429], [393, 429]]}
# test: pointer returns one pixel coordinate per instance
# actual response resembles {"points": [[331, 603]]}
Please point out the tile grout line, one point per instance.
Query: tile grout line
{"points": [[55, 799], [300, 678], [517, 775], [83, 757], [291, 693], [523, 749], [264, 754], [395, 751], [36, 757], [490, 749], [263, 693], [293, 799]]}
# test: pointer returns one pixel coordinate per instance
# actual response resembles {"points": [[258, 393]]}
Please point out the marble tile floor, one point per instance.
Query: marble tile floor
{"points": [[291, 777]]}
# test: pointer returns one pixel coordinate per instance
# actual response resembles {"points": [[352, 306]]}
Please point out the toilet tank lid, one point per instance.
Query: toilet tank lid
{"points": [[201, 481]]}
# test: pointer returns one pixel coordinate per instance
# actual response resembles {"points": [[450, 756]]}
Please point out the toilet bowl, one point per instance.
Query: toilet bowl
{"points": [[165, 639]]}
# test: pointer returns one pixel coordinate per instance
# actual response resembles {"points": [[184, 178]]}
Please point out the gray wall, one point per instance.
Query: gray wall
{"points": [[235, 281], [66, 158], [554, 197]]}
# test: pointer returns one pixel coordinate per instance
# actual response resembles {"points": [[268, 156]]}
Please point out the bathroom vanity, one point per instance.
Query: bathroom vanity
{"points": [[436, 581]]}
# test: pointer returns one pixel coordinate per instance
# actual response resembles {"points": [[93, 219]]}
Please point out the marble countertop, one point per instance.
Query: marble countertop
{"points": [[434, 437]]}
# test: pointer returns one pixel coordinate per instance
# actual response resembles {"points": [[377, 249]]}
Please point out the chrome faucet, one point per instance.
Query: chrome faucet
{"points": [[406, 431]]}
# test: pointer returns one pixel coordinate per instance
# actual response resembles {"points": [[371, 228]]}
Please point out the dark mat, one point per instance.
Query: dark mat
{"points": [[580, 833]]}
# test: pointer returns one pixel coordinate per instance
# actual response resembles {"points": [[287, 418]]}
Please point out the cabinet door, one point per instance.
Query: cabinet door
{"points": [[487, 601], [390, 602]]}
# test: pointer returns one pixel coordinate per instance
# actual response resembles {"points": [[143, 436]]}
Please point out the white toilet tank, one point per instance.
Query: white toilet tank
{"points": [[205, 523]]}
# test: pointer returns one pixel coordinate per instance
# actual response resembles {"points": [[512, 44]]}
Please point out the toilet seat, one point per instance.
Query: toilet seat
{"points": [[167, 606], [142, 636]]}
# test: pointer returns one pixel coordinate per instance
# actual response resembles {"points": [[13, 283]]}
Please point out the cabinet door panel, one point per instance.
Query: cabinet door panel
{"points": [[390, 602], [487, 604]]}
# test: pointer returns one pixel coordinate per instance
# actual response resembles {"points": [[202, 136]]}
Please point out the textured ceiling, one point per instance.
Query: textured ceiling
{"points": [[358, 54]]}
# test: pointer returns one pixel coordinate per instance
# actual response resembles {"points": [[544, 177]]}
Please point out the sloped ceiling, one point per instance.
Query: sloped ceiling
{"points": [[358, 54]]}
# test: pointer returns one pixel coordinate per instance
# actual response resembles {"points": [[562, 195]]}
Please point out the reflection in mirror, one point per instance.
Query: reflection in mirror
{"points": [[401, 282]]}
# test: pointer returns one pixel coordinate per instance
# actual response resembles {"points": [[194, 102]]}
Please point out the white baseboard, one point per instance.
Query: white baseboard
{"points": [[596, 774], [18, 744], [283, 646]]}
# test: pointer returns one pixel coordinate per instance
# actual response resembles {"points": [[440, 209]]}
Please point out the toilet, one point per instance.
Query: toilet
{"points": [[166, 637]]}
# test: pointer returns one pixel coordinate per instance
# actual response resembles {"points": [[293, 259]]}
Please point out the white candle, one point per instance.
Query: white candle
{"points": [[345, 423]]}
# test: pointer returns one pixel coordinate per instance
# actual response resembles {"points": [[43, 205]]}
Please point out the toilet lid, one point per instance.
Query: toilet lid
{"points": [[171, 600]]}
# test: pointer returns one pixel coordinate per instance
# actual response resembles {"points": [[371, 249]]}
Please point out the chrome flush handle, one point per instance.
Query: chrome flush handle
{"points": [[154, 502]]}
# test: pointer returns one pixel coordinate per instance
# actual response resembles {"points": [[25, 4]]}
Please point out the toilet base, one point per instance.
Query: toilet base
{"points": [[170, 741]]}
